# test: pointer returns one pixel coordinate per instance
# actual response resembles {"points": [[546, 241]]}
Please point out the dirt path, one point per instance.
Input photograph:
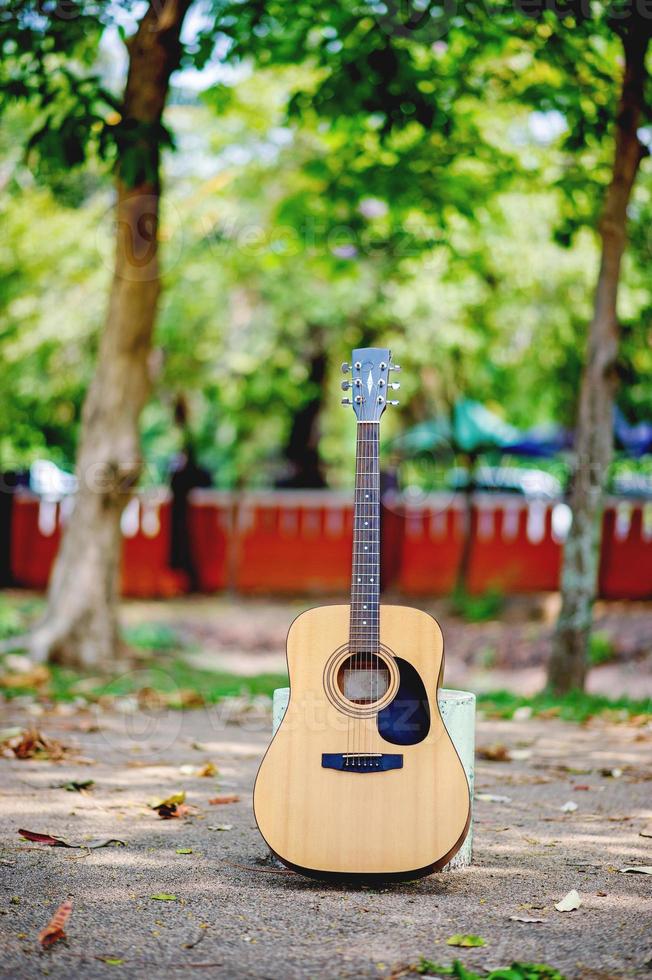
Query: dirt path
{"points": [[247, 636], [232, 921]]}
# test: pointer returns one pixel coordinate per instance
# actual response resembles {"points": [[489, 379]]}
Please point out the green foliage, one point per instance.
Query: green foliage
{"points": [[395, 177], [478, 608], [154, 637], [11, 621], [576, 706], [517, 971], [17, 611], [601, 648]]}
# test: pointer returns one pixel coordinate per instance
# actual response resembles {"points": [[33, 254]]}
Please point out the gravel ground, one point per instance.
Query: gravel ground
{"points": [[234, 915]]}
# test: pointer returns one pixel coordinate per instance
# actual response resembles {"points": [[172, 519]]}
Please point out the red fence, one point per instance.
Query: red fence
{"points": [[300, 541], [36, 532]]}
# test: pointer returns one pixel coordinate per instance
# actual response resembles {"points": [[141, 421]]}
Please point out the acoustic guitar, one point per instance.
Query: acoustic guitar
{"points": [[362, 778]]}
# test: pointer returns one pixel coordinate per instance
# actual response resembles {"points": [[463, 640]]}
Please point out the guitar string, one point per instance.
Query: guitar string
{"points": [[367, 661], [366, 515]]}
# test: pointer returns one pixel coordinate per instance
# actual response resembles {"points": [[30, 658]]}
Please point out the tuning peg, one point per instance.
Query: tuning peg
{"points": [[395, 385], [392, 403], [394, 367], [357, 365], [346, 385], [347, 401], [346, 367]]}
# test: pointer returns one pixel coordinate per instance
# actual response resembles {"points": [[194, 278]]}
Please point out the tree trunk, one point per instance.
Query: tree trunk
{"points": [[594, 434], [80, 626], [302, 453]]}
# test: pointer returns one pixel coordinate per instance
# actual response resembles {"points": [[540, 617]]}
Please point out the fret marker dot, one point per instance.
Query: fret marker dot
{"points": [[359, 580], [364, 607], [371, 580], [364, 622], [366, 523]]}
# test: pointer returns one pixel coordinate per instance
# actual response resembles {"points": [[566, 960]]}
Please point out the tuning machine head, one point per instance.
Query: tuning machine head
{"points": [[368, 383], [394, 367]]}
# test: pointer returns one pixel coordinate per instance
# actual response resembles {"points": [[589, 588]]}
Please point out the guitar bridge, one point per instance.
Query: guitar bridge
{"points": [[361, 761]]}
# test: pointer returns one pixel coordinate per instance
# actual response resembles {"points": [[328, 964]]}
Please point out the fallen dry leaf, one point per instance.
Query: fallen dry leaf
{"points": [[525, 918], [646, 832], [186, 698], [53, 841], [171, 807], [460, 939], [494, 753], [569, 902], [76, 785], [225, 798], [492, 798], [32, 744], [569, 807], [207, 770], [37, 676], [640, 869], [54, 929], [221, 826]]}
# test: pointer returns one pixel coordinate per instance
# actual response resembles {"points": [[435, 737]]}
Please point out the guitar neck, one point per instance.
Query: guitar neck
{"points": [[365, 578]]}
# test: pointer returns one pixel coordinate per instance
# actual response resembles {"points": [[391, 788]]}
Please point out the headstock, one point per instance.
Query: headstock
{"points": [[370, 384]]}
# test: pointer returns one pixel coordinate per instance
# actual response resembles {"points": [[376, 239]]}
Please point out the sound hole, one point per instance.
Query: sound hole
{"points": [[363, 678]]}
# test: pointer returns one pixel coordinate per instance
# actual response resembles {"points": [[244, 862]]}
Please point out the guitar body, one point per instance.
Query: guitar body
{"points": [[372, 788]]}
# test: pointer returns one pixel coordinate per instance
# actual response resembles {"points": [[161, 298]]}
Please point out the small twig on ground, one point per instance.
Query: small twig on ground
{"points": [[264, 871], [202, 933]]}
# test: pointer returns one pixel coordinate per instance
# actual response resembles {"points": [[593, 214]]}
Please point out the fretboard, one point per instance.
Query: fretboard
{"points": [[365, 579]]}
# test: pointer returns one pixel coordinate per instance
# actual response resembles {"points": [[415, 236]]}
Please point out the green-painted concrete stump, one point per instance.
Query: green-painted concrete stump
{"points": [[458, 713]]}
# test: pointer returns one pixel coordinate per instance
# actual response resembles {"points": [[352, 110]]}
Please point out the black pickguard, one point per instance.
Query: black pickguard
{"points": [[406, 721]]}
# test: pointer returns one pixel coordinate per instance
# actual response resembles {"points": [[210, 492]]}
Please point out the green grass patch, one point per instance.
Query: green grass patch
{"points": [[16, 612], [153, 636], [478, 608], [601, 648], [172, 678], [517, 971], [576, 706]]}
